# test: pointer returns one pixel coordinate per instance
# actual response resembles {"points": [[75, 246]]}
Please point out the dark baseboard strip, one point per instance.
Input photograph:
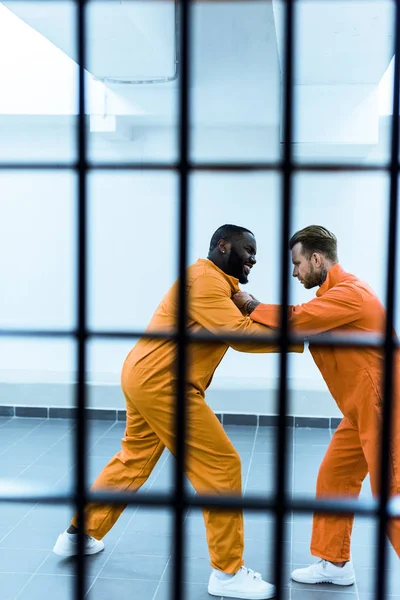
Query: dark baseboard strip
{"points": [[335, 422], [110, 414], [273, 421], [320, 422], [32, 411], [121, 415], [61, 413], [229, 419]]}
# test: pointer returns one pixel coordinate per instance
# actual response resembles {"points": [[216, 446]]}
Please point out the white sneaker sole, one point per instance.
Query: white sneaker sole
{"points": [[249, 596], [60, 551], [341, 581]]}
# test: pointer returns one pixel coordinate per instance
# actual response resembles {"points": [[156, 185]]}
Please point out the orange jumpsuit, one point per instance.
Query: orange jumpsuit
{"points": [[354, 378], [149, 384]]}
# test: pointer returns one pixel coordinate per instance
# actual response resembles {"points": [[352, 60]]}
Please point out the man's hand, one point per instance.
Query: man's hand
{"points": [[245, 302]]}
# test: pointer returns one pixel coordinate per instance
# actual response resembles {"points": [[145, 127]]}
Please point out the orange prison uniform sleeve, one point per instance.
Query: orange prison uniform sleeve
{"points": [[337, 307]]}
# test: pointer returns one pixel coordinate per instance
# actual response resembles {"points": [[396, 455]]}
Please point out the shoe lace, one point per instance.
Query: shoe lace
{"points": [[251, 573]]}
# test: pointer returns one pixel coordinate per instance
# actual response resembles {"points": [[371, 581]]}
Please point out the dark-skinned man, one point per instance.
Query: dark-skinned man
{"points": [[149, 384]]}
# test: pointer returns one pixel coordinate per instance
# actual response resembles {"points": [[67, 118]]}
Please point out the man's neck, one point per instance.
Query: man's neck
{"points": [[326, 267], [216, 262]]}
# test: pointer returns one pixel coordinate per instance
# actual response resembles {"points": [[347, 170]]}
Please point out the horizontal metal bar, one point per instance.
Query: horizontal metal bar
{"points": [[74, 166], [37, 333], [160, 1], [42, 166], [298, 504], [279, 167], [343, 341], [232, 167], [322, 340]]}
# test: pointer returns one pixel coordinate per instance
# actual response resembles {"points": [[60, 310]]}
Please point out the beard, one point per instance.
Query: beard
{"points": [[314, 279], [234, 267]]}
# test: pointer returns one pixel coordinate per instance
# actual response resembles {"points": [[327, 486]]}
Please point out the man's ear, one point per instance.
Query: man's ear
{"points": [[317, 259], [223, 246]]}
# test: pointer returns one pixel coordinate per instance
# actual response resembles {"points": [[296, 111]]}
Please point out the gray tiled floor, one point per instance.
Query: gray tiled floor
{"points": [[136, 563]]}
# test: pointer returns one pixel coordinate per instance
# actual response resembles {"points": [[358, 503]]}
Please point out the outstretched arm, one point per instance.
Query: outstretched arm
{"points": [[339, 306], [210, 305]]}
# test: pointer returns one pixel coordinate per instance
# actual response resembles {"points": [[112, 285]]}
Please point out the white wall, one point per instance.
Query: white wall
{"points": [[133, 249]]}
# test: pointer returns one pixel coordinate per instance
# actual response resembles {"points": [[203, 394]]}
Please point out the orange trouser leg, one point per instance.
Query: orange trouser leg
{"points": [[341, 473], [370, 430], [212, 464], [127, 471]]}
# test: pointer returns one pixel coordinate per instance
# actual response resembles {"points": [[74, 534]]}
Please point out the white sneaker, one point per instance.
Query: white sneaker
{"points": [[67, 544], [246, 584], [325, 572]]}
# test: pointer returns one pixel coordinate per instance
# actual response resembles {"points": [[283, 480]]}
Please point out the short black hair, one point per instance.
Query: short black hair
{"points": [[228, 233]]}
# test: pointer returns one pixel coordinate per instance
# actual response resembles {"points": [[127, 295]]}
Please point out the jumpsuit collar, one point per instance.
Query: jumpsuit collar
{"points": [[233, 281], [335, 276]]}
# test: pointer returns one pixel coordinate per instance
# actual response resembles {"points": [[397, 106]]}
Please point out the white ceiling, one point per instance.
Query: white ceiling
{"points": [[235, 70], [235, 63], [340, 42], [237, 46], [123, 38]]}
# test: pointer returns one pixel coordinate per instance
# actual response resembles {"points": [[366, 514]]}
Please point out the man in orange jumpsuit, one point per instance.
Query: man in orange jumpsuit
{"points": [[149, 385], [343, 304]]}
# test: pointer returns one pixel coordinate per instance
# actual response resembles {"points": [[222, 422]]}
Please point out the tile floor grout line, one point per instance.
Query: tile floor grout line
{"points": [[29, 511], [43, 453], [118, 540], [73, 576], [6, 422], [28, 573], [30, 578], [49, 553], [292, 523], [88, 451], [37, 503], [317, 592], [168, 561], [30, 464], [21, 438], [251, 459]]}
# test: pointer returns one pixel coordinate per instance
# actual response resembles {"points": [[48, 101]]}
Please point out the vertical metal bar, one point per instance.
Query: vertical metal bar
{"points": [[285, 234], [180, 421], [80, 446], [388, 384]]}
